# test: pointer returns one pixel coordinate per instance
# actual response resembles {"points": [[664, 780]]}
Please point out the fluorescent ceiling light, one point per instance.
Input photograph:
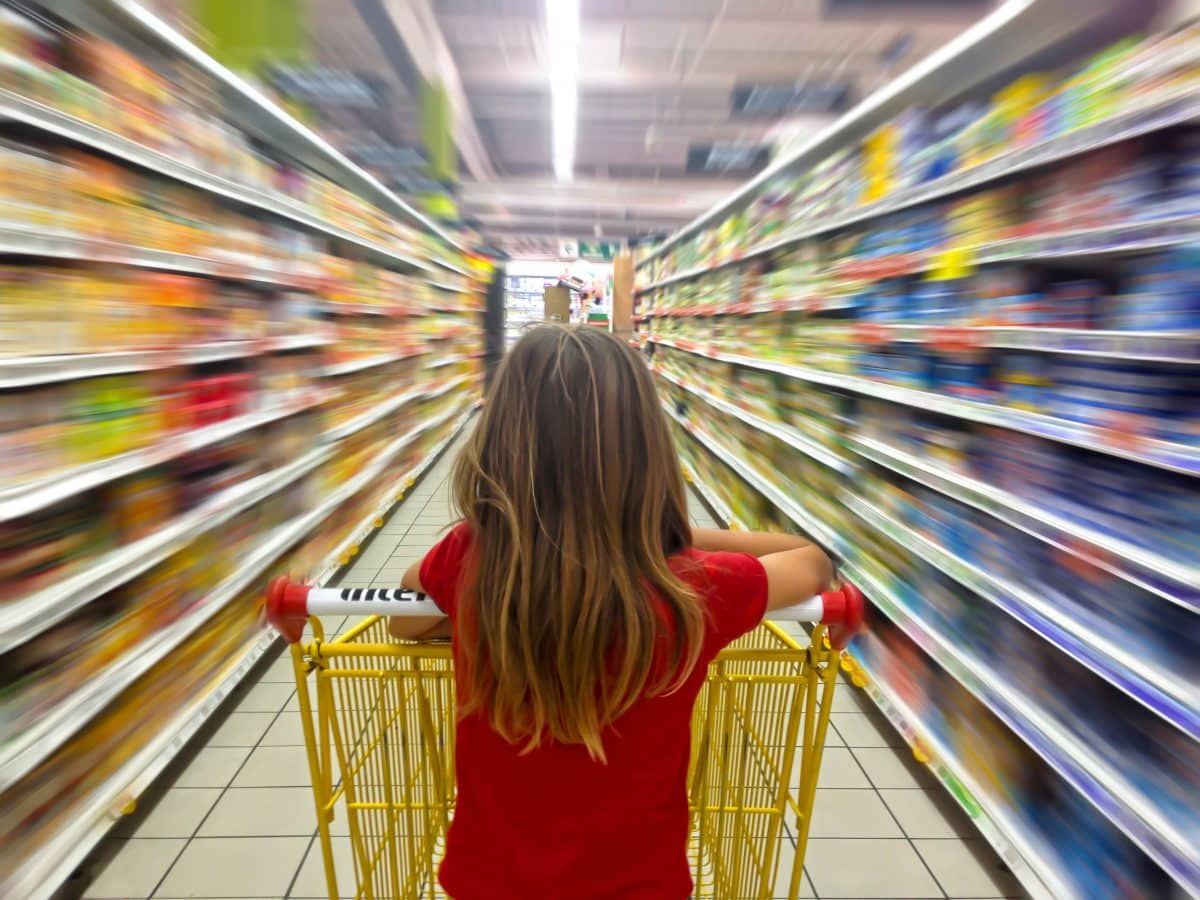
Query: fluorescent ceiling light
{"points": [[562, 28]]}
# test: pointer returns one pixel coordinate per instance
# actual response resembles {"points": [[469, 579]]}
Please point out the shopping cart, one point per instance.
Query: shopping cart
{"points": [[380, 743]]}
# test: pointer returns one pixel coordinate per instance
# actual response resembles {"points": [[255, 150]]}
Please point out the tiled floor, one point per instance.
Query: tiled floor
{"points": [[236, 819]]}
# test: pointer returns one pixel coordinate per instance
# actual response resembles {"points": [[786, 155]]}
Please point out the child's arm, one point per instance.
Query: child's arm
{"points": [[756, 543], [796, 568], [417, 628]]}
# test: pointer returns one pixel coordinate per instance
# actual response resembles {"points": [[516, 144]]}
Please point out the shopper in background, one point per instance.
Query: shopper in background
{"points": [[584, 612]]}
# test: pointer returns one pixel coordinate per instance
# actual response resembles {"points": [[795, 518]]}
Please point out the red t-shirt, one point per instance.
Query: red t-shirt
{"points": [[554, 823]]}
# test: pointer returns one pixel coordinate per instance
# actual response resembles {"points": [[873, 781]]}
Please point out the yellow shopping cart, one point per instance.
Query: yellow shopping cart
{"points": [[380, 740]]}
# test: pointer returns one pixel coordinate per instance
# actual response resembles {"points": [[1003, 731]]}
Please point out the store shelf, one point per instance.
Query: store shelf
{"points": [[28, 498], [1132, 123], [452, 360], [44, 873], [369, 362], [24, 618], [373, 415], [52, 244], [1102, 783], [1026, 855], [70, 714], [245, 104], [1175, 347], [812, 526], [1154, 572], [789, 436], [1029, 860], [1150, 451], [719, 507], [1122, 239], [349, 545], [1168, 694], [1148, 235], [1095, 778], [29, 371], [14, 108]]}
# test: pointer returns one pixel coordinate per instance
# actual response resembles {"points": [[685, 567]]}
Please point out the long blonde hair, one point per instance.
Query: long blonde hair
{"points": [[575, 499]]}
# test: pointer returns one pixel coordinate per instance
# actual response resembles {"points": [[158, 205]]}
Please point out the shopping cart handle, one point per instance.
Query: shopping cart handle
{"points": [[290, 603], [845, 614], [842, 610]]}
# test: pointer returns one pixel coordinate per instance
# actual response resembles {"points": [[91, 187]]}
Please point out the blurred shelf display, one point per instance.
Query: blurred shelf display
{"points": [[225, 353], [959, 346], [523, 300]]}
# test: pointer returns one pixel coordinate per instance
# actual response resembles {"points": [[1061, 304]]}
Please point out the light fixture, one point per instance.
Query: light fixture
{"points": [[562, 29]]}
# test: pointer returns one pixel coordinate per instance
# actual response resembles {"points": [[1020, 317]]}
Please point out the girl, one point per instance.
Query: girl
{"points": [[584, 612]]}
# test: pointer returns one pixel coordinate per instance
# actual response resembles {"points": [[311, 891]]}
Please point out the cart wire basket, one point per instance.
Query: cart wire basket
{"points": [[378, 717]]}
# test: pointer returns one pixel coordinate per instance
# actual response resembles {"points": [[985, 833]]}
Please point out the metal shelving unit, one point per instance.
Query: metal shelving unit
{"points": [[432, 259], [1000, 43]]}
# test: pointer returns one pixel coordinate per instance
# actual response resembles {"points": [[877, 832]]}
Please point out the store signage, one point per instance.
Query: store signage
{"points": [[599, 250], [326, 86], [788, 98], [727, 158]]}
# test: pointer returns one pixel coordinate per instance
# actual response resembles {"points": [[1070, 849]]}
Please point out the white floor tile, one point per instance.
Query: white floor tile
{"points": [[783, 874], [894, 768], [848, 699], [135, 869], [400, 563], [839, 813], [967, 869], [414, 544], [281, 669], [867, 868], [389, 578], [428, 531], [928, 814], [270, 696], [235, 867], [286, 732], [865, 730], [275, 767], [359, 578], [177, 813], [310, 883], [212, 767], [262, 812], [839, 769], [242, 729]]}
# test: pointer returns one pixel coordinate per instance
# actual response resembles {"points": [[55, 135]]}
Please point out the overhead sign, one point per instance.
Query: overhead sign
{"points": [[599, 250], [326, 86], [378, 154], [788, 98], [596, 251], [727, 158]]}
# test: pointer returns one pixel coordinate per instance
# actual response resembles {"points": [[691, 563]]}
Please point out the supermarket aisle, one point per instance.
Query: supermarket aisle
{"points": [[238, 821]]}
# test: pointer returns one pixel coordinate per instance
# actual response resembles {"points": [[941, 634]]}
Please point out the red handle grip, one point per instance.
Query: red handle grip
{"points": [[287, 608], [845, 613]]}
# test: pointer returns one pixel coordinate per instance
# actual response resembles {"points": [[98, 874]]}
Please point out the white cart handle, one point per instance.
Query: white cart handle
{"points": [[289, 604]]}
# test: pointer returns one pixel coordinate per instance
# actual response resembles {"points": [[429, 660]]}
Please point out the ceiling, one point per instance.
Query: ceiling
{"points": [[656, 77]]}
